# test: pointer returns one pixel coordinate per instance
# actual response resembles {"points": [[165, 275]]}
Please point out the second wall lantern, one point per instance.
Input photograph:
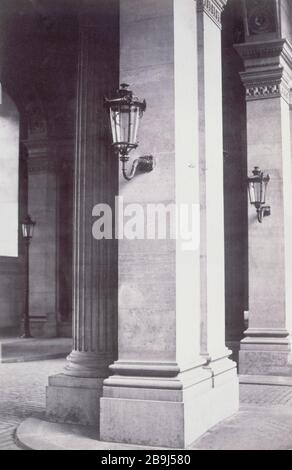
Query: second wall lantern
{"points": [[125, 112], [257, 188]]}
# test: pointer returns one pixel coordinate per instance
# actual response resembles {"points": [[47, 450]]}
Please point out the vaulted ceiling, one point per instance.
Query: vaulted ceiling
{"points": [[38, 60]]}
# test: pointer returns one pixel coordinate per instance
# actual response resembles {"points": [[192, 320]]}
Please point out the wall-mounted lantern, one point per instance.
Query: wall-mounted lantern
{"points": [[125, 112], [27, 227], [257, 188]]}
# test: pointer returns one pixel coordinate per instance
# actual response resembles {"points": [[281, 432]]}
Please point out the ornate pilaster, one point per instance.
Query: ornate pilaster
{"points": [[266, 348]]}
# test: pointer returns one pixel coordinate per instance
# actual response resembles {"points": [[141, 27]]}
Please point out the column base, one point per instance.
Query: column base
{"points": [[168, 412], [73, 400], [265, 352], [234, 346]]}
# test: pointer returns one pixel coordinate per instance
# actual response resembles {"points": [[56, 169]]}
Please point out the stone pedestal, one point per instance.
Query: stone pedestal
{"points": [[266, 348], [173, 379], [74, 395]]}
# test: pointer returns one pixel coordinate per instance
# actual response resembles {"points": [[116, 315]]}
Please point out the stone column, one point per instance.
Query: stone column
{"points": [[163, 392], [266, 348], [74, 395]]}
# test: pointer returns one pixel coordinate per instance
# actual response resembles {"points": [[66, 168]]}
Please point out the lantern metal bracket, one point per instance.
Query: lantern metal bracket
{"points": [[262, 212], [143, 164]]}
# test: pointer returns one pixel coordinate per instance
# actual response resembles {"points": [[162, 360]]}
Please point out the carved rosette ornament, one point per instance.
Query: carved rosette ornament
{"points": [[213, 8], [268, 69], [261, 16]]}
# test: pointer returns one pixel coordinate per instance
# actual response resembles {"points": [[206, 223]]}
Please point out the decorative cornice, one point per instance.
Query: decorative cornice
{"points": [[267, 49], [268, 69], [213, 8]]}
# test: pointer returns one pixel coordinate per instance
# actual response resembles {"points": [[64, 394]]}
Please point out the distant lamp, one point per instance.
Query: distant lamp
{"points": [[257, 188], [125, 112], [27, 227]]}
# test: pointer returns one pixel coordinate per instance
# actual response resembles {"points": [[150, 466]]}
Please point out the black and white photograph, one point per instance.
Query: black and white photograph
{"points": [[145, 228]]}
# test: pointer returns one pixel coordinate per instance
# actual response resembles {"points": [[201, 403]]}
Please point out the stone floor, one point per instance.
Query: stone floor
{"points": [[15, 349], [22, 394], [263, 422]]}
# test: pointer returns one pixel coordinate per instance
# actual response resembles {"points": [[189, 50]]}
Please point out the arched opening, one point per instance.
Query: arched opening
{"points": [[9, 175], [13, 204], [38, 66]]}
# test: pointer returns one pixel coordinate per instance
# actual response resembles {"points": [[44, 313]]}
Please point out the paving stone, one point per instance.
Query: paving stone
{"points": [[264, 420], [22, 394]]}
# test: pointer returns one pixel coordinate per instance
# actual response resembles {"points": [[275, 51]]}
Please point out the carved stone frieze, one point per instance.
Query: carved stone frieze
{"points": [[274, 90], [213, 8]]}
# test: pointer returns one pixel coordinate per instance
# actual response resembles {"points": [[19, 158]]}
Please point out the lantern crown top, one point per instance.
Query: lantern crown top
{"points": [[259, 176], [28, 221], [125, 96], [256, 171], [124, 90]]}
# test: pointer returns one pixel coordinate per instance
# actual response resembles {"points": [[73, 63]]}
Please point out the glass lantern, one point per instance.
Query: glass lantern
{"points": [[257, 189], [28, 228], [125, 113], [257, 185]]}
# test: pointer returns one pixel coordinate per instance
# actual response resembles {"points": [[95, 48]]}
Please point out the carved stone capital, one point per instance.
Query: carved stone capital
{"points": [[46, 155], [42, 165], [213, 8], [268, 69]]}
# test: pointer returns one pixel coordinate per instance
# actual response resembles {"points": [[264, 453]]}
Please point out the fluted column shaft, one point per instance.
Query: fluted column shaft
{"points": [[95, 263]]}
